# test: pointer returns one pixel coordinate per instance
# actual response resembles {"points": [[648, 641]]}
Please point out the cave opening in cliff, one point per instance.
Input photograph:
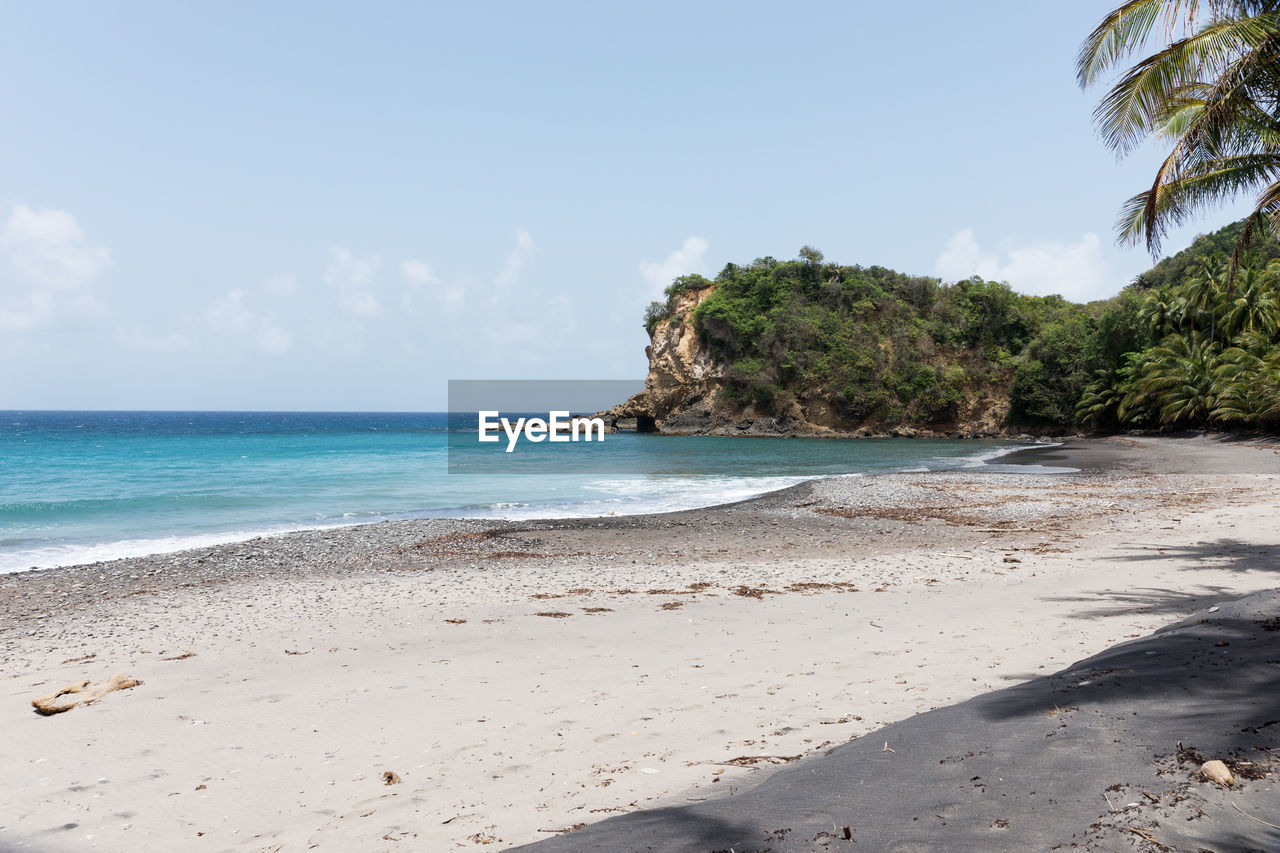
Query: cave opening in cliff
{"points": [[646, 423]]}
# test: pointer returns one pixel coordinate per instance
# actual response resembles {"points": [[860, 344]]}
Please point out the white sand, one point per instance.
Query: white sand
{"points": [[511, 725]]}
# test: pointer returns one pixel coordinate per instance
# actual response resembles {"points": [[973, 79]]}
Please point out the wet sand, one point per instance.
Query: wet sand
{"points": [[524, 679]]}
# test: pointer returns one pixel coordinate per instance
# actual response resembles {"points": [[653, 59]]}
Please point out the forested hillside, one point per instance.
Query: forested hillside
{"points": [[1189, 343]]}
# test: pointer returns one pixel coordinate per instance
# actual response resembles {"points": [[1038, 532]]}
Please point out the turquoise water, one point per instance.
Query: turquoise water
{"points": [[84, 486]]}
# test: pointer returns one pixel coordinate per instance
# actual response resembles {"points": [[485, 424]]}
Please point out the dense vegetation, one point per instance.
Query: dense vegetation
{"points": [[1185, 345], [1173, 269], [1214, 358]]}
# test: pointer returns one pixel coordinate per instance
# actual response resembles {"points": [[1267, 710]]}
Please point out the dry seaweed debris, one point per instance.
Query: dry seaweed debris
{"points": [[820, 586], [82, 658], [751, 760], [948, 514], [753, 591], [80, 694]]}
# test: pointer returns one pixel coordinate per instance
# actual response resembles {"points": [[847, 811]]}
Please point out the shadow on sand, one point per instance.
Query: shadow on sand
{"points": [[1085, 756]]}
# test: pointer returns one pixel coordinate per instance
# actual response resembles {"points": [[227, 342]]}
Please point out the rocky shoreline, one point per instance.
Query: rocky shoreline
{"points": [[703, 419]]}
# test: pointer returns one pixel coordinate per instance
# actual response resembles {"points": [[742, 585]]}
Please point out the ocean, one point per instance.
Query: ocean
{"points": [[78, 487]]}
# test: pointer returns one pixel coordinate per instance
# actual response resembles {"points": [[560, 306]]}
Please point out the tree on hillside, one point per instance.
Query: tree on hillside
{"points": [[1212, 94], [1171, 270]]}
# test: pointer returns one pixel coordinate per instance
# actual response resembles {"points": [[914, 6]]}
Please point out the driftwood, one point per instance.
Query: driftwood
{"points": [[83, 693]]}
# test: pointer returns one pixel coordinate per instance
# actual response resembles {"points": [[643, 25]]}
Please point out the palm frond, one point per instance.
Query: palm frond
{"points": [[1140, 102], [1122, 32]]}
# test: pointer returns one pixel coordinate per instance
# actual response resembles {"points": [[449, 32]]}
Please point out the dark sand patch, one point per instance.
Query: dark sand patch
{"points": [[1104, 755]]}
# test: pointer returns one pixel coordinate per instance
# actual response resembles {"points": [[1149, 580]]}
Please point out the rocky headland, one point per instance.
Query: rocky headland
{"points": [[684, 395]]}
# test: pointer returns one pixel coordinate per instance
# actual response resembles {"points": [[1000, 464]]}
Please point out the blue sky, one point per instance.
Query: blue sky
{"points": [[331, 206]]}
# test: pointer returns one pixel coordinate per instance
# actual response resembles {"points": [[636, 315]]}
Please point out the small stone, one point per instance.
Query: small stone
{"points": [[1216, 771]]}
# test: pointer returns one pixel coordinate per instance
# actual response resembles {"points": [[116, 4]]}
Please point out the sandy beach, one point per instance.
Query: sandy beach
{"points": [[521, 680]]}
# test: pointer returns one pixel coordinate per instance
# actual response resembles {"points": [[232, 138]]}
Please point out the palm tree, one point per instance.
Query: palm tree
{"points": [[1212, 93], [1159, 314], [1181, 376], [1252, 306], [1136, 405], [1249, 381], [1203, 289], [1100, 403]]}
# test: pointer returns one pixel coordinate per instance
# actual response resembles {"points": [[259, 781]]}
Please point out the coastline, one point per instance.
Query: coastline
{"points": [[526, 677], [166, 544]]}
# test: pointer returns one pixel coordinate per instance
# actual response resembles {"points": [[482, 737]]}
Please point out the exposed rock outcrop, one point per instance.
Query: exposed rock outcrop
{"points": [[682, 373]]}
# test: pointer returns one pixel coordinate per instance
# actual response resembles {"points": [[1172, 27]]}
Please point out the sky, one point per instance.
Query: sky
{"points": [[339, 206]]}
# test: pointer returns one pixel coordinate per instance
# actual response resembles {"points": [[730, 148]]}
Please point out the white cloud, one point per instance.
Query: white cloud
{"points": [[134, 338], [351, 276], [1074, 270], [231, 317], [421, 275], [48, 247], [532, 333], [515, 261], [686, 260], [274, 340], [284, 284], [418, 272], [32, 311], [50, 267]]}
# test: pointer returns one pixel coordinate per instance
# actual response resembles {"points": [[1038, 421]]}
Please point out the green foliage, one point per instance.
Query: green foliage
{"points": [[1214, 359], [879, 346], [873, 343], [811, 256], [1048, 382], [1172, 270], [1121, 329], [656, 312], [683, 284]]}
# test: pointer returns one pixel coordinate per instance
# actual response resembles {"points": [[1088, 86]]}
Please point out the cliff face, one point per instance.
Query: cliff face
{"points": [[682, 396], [681, 372]]}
